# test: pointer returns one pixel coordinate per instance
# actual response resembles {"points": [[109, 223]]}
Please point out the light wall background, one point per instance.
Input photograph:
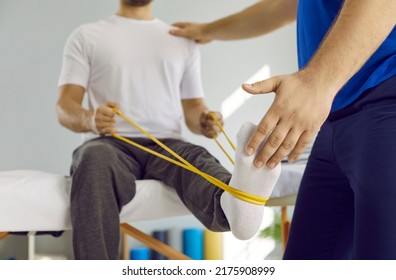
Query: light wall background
{"points": [[32, 35]]}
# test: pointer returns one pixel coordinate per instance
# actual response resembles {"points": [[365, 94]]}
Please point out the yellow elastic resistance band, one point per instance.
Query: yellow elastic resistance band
{"points": [[212, 115], [185, 164]]}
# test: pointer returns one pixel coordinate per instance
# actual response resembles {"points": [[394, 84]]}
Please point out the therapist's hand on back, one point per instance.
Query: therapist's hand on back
{"points": [[104, 119], [300, 107], [193, 31]]}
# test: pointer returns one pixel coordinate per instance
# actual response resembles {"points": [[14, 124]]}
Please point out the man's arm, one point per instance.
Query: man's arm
{"points": [[303, 100], [198, 119], [360, 29], [73, 116], [258, 19]]}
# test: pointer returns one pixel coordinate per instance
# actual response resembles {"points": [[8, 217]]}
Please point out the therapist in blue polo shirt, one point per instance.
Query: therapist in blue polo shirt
{"points": [[346, 88]]}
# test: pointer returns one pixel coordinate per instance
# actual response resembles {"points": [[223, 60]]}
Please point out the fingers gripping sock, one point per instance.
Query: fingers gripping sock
{"points": [[245, 218]]}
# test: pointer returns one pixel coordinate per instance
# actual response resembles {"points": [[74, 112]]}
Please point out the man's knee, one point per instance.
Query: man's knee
{"points": [[97, 154]]}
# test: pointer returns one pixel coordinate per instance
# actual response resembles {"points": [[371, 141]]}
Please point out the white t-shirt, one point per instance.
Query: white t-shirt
{"points": [[137, 64]]}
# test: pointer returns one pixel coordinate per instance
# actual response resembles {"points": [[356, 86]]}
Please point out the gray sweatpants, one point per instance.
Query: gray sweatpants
{"points": [[104, 171]]}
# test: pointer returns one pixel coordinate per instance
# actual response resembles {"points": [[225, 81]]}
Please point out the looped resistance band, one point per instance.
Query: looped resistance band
{"points": [[185, 164], [226, 136]]}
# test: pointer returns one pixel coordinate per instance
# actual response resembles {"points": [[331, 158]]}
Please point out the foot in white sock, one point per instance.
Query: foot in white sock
{"points": [[245, 218]]}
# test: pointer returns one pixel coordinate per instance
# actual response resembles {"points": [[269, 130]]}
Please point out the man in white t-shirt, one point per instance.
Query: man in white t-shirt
{"points": [[130, 62]]}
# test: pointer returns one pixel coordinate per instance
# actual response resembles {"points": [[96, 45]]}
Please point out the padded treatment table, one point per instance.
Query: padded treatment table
{"points": [[39, 201]]}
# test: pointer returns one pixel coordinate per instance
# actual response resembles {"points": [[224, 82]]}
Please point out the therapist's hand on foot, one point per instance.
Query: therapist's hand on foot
{"points": [[209, 127], [300, 107], [104, 119], [193, 31]]}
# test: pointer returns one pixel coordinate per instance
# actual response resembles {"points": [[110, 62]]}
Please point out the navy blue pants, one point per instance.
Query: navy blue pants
{"points": [[346, 205]]}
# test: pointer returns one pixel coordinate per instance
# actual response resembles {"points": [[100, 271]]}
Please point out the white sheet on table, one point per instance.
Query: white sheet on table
{"points": [[39, 201]]}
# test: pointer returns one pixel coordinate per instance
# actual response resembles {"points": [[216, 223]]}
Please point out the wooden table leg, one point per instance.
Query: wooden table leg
{"points": [[285, 224], [3, 235], [153, 243], [125, 246]]}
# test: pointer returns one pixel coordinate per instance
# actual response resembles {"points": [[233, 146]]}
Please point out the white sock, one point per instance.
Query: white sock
{"points": [[245, 218]]}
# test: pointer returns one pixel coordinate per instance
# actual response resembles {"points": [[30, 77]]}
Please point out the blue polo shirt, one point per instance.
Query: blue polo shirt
{"points": [[314, 19]]}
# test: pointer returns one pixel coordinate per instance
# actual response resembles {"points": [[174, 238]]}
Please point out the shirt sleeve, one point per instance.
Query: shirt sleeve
{"points": [[191, 85], [75, 66]]}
